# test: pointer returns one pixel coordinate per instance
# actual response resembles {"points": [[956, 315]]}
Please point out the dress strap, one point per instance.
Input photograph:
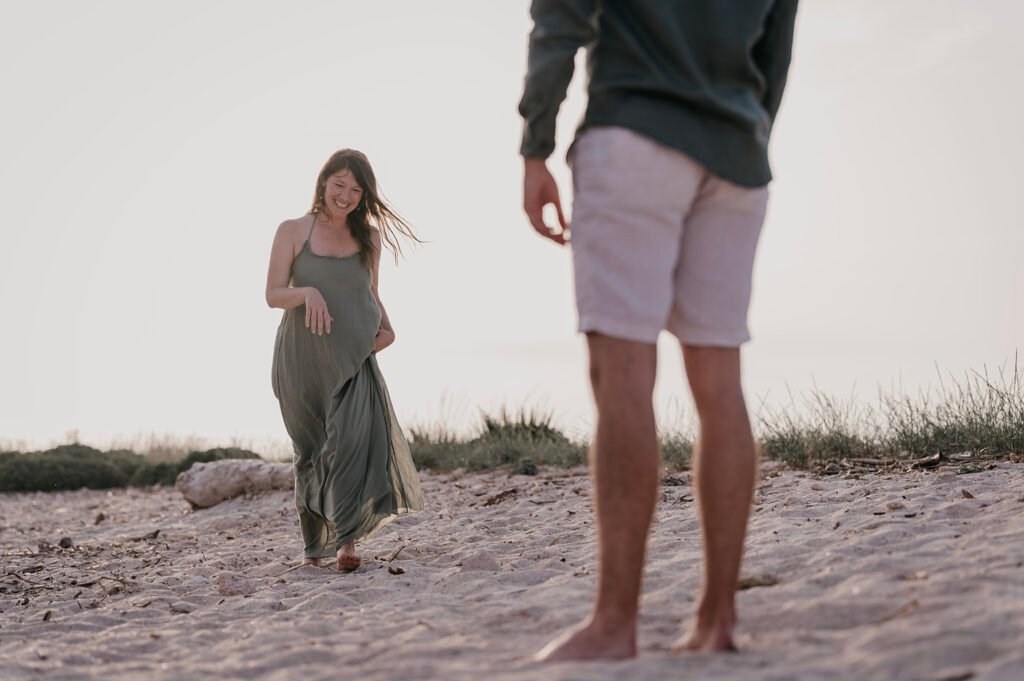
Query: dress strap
{"points": [[310, 235]]}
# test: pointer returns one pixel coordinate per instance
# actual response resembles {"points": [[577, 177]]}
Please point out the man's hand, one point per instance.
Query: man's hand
{"points": [[539, 190]]}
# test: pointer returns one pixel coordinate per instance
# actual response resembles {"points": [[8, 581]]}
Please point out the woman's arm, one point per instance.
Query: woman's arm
{"points": [[280, 294], [385, 334]]}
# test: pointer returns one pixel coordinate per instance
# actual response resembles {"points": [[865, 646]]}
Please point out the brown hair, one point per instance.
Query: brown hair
{"points": [[372, 211]]}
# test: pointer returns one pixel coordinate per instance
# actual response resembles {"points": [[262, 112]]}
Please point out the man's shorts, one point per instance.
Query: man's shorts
{"points": [[659, 243]]}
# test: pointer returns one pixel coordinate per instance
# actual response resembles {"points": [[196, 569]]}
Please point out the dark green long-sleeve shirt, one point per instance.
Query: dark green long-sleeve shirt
{"points": [[701, 76]]}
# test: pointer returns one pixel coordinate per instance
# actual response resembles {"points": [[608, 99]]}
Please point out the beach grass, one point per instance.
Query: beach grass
{"points": [[522, 440], [978, 417], [980, 414]]}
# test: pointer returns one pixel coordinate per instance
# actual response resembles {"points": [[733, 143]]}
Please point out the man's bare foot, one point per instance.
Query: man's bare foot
{"points": [[707, 638], [348, 561], [315, 562], [590, 641]]}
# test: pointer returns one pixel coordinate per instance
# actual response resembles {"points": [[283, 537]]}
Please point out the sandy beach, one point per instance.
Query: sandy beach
{"points": [[905, 576]]}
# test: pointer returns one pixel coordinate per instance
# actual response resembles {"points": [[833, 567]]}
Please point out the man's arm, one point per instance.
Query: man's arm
{"points": [[773, 52], [560, 29]]}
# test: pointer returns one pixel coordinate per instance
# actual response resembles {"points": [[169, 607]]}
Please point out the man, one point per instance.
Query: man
{"points": [[670, 172]]}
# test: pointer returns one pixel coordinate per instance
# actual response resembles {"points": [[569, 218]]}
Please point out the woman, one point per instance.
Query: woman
{"points": [[353, 469]]}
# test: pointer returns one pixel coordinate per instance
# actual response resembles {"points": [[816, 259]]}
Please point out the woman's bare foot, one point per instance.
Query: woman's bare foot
{"points": [[348, 561], [315, 562], [591, 641]]}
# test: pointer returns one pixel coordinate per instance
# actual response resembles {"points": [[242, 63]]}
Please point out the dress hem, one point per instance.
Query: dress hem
{"points": [[402, 511]]}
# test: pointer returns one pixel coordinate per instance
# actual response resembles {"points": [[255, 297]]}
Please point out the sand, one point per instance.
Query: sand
{"points": [[907, 576]]}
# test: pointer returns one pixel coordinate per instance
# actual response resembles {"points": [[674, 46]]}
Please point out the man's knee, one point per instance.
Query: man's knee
{"points": [[714, 376], [622, 363]]}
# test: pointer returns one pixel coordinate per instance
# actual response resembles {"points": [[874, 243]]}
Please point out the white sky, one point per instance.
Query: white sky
{"points": [[148, 152]]}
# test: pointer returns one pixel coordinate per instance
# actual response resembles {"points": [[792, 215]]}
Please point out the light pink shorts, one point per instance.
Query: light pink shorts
{"points": [[659, 243]]}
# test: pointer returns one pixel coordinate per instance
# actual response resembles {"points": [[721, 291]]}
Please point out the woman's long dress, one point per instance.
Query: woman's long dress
{"points": [[353, 468]]}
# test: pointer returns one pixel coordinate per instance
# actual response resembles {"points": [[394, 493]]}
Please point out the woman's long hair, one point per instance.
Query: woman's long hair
{"points": [[372, 211]]}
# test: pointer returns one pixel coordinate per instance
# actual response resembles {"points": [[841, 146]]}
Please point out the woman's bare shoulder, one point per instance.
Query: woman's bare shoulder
{"points": [[295, 228], [297, 224]]}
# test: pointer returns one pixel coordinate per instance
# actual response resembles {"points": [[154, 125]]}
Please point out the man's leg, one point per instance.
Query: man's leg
{"points": [[725, 467], [624, 464]]}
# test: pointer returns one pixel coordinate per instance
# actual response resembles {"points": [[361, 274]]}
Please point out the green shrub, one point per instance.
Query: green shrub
{"points": [[215, 454], [70, 466], [75, 466], [163, 473]]}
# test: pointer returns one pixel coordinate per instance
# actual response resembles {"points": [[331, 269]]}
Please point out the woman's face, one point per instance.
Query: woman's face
{"points": [[342, 194]]}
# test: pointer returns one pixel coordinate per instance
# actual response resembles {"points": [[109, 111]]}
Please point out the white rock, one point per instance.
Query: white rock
{"points": [[206, 484]]}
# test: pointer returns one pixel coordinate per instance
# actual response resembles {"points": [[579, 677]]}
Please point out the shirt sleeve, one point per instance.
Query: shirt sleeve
{"points": [[560, 29], [772, 53]]}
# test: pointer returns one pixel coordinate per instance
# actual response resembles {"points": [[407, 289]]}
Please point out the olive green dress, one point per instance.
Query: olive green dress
{"points": [[353, 468]]}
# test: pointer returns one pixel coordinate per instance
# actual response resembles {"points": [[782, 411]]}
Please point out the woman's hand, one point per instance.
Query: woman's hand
{"points": [[384, 338], [318, 319]]}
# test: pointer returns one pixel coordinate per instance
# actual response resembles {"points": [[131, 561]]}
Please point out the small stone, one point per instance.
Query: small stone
{"points": [[148, 535], [395, 570], [231, 584], [526, 466], [65, 543], [753, 581], [894, 505], [966, 494], [100, 517]]}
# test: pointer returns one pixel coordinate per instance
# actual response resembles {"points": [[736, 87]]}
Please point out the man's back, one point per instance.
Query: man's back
{"points": [[702, 76]]}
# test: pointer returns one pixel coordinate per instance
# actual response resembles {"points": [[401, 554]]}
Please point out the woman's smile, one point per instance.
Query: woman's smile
{"points": [[342, 193]]}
